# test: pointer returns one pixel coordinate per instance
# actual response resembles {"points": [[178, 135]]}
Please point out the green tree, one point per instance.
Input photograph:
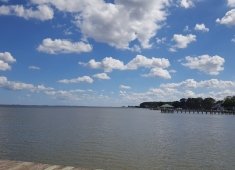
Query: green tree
{"points": [[208, 103], [183, 103], [176, 104], [229, 102], [194, 103]]}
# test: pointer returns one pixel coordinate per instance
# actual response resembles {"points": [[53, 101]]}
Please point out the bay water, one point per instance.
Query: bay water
{"points": [[117, 138]]}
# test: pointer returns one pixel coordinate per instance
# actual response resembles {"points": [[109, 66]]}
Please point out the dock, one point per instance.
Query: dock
{"points": [[19, 165], [190, 111]]}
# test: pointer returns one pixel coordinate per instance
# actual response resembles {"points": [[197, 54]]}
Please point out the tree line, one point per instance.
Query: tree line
{"points": [[196, 103]]}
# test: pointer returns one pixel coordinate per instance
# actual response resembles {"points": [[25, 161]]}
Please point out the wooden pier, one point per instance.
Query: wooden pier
{"points": [[18, 165], [212, 112]]}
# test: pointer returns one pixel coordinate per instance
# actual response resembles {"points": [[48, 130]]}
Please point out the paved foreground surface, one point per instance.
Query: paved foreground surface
{"points": [[18, 165]]}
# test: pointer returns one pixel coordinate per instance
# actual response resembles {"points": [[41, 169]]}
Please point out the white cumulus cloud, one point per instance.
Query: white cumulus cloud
{"points": [[158, 72], [193, 84], [5, 60], [42, 12], [231, 3], [125, 87], [182, 41], [211, 65], [84, 79], [4, 66], [7, 57], [58, 46], [228, 19], [186, 3], [201, 27], [142, 61], [12, 85], [161, 40], [108, 64], [63, 95], [158, 66], [102, 76], [118, 23], [215, 88]]}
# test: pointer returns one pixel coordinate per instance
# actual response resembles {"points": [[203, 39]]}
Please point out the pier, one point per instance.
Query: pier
{"points": [[18, 165], [212, 112]]}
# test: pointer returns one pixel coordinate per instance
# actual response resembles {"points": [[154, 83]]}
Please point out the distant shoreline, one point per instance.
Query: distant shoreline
{"points": [[19, 105]]}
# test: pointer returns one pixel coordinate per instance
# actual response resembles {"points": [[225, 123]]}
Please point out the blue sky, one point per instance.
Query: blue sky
{"points": [[114, 53]]}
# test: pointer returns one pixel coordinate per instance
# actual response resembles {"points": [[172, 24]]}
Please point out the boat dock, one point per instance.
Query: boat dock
{"points": [[212, 112], [18, 165]]}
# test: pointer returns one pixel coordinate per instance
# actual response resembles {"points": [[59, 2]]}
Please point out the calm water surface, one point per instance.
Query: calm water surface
{"points": [[117, 138]]}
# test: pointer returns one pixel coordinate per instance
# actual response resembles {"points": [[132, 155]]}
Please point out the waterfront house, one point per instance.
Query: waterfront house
{"points": [[218, 107], [166, 108]]}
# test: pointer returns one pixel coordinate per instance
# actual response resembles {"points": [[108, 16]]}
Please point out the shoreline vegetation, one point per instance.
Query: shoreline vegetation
{"points": [[194, 104], [190, 104]]}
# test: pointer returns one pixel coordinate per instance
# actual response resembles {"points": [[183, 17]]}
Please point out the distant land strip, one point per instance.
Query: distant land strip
{"points": [[196, 104]]}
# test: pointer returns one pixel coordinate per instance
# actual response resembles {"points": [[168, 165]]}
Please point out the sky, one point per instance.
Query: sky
{"points": [[115, 52]]}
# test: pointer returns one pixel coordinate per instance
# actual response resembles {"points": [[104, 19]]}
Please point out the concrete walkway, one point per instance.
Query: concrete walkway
{"points": [[18, 165]]}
